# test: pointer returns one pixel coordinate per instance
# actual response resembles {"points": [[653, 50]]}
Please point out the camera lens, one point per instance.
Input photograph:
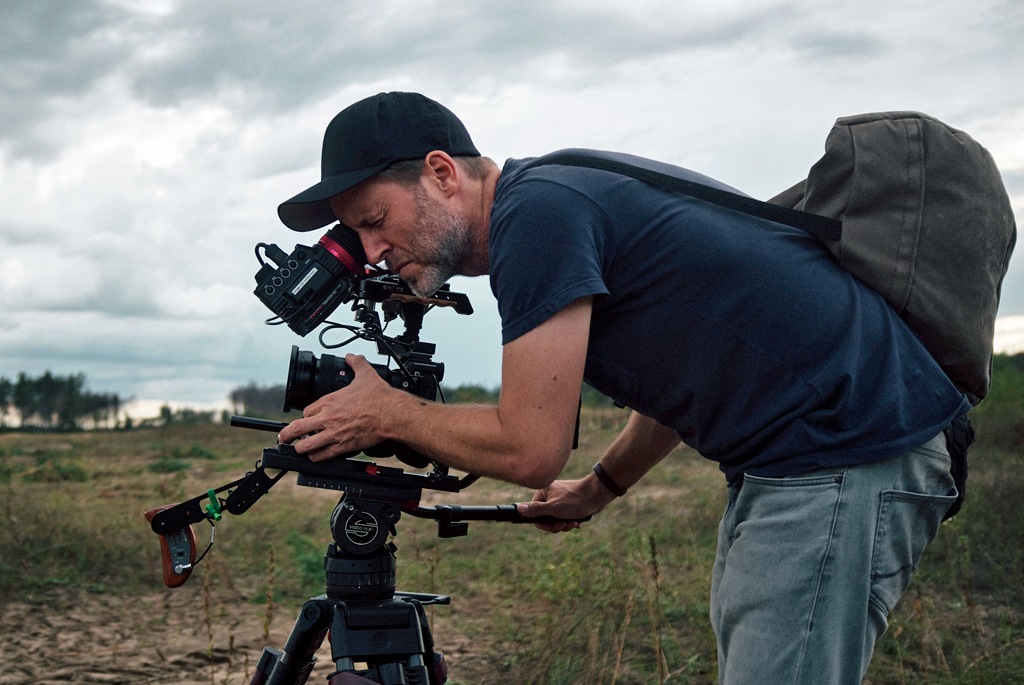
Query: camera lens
{"points": [[310, 379], [301, 371]]}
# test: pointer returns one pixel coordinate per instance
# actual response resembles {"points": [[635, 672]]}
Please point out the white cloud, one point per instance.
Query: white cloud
{"points": [[144, 146]]}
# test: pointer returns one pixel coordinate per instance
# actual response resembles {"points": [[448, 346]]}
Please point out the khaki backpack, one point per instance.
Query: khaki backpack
{"points": [[926, 222]]}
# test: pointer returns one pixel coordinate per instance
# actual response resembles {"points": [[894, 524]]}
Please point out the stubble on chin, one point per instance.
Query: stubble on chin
{"points": [[444, 246], [434, 275]]}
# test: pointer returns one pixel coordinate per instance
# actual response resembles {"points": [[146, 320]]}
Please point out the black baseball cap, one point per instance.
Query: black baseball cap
{"points": [[366, 138]]}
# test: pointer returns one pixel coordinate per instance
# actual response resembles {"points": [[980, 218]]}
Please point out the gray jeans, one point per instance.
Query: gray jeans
{"points": [[809, 567]]}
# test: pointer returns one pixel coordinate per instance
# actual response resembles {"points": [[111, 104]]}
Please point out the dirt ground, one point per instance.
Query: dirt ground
{"points": [[164, 637]]}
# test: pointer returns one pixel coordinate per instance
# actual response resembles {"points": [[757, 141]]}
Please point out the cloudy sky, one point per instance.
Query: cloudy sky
{"points": [[145, 144]]}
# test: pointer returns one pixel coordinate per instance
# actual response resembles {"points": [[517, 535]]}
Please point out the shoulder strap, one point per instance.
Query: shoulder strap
{"points": [[823, 228]]}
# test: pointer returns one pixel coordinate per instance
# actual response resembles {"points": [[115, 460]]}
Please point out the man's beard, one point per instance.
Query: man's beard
{"points": [[442, 244]]}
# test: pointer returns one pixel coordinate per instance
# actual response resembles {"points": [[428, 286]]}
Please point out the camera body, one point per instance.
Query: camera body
{"points": [[310, 378]]}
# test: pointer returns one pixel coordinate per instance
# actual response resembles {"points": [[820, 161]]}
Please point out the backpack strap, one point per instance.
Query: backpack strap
{"points": [[823, 228]]}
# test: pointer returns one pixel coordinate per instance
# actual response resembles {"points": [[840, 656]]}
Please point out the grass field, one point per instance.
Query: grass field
{"points": [[624, 600]]}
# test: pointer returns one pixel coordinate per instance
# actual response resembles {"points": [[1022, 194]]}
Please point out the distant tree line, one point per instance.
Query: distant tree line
{"points": [[268, 401], [262, 401], [478, 394], [52, 402], [185, 415]]}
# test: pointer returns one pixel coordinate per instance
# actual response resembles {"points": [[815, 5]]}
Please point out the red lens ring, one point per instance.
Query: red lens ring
{"points": [[342, 254]]}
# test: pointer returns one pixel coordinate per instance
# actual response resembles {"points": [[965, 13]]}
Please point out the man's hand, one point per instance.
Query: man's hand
{"points": [[346, 420], [567, 499], [642, 444]]}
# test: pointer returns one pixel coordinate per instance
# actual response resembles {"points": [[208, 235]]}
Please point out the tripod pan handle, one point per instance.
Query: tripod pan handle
{"points": [[508, 513]]}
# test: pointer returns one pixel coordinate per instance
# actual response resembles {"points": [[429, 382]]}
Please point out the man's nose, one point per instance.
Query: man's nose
{"points": [[375, 248]]}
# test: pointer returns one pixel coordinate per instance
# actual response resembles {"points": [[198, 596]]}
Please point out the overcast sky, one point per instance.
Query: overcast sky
{"points": [[146, 144]]}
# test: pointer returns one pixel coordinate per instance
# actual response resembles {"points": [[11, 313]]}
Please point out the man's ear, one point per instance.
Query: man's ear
{"points": [[442, 171]]}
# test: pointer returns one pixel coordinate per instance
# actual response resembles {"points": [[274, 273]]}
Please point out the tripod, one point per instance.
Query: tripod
{"points": [[368, 622]]}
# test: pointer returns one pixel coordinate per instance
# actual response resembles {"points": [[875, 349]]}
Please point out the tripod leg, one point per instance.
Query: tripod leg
{"points": [[293, 664], [437, 667]]}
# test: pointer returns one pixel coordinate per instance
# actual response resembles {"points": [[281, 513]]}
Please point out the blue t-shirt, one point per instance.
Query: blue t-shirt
{"points": [[741, 334]]}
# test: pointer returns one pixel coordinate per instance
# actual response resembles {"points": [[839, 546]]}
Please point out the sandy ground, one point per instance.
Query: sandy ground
{"points": [[164, 637]]}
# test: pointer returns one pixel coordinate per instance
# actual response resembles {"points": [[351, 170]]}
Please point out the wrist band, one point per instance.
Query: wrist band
{"points": [[607, 481]]}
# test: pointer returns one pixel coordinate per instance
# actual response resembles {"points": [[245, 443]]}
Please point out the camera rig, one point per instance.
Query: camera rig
{"points": [[310, 378], [377, 635], [381, 491]]}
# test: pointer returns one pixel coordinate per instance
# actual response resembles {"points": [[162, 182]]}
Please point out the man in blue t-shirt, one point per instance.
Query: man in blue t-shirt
{"points": [[738, 336]]}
